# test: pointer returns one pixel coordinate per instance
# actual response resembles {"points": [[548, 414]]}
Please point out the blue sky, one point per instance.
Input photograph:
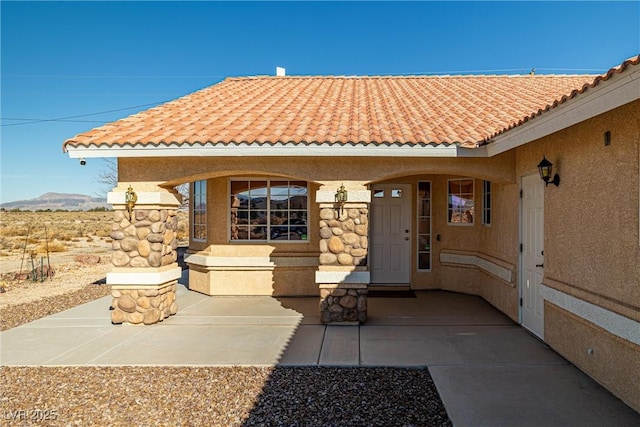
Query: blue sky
{"points": [[64, 59]]}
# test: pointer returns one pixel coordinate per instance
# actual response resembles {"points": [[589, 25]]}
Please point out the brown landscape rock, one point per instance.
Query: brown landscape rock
{"points": [[120, 258], [118, 317], [127, 304]]}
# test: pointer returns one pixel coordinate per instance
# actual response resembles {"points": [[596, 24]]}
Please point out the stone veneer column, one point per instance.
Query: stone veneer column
{"points": [[145, 273], [343, 273]]}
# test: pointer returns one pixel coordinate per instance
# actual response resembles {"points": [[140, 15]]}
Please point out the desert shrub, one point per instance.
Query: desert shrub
{"points": [[53, 246], [13, 231]]}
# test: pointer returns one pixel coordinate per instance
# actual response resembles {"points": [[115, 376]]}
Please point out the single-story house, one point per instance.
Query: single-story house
{"points": [[336, 185]]}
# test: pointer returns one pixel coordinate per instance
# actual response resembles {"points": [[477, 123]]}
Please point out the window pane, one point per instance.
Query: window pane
{"points": [[199, 212], [424, 226], [240, 217], [240, 233], [425, 208], [461, 201], [396, 193], [257, 233], [424, 261], [258, 217], [378, 193], [424, 243], [279, 217], [280, 233]]}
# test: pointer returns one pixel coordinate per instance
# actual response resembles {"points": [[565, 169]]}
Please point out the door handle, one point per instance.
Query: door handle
{"points": [[540, 265]]}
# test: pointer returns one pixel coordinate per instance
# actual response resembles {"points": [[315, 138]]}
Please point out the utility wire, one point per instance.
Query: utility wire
{"points": [[50, 120], [82, 115]]}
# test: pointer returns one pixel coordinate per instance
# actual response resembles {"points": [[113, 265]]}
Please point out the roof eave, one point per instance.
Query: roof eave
{"points": [[276, 150]]}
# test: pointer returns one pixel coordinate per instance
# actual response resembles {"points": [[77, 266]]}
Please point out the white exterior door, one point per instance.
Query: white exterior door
{"points": [[390, 234], [532, 304]]}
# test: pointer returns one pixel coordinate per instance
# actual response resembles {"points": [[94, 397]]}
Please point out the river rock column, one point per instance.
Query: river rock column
{"points": [[343, 273], [145, 270]]}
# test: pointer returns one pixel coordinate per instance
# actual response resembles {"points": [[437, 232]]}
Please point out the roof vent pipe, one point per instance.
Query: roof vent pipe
{"points": [[280, 71]]}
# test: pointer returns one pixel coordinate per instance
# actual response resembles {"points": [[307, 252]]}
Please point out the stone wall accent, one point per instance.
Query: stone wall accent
{"points": [[143, 305], [344, 236], [343, 303], [146, 240]]}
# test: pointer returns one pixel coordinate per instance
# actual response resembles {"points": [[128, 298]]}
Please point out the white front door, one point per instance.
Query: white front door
{"points": [[532, 304], [390, 234]]}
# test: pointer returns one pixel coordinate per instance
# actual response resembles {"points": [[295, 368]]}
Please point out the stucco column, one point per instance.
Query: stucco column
{"points": [[145, 270], [343, 272]]}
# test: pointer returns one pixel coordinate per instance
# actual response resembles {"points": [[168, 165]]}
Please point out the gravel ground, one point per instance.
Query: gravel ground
{"points": [[173, 396]]}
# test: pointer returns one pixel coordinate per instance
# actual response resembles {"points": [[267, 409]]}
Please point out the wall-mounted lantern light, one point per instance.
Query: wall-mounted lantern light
{"points": [[545, 168], [130, 199], [341, 196]]}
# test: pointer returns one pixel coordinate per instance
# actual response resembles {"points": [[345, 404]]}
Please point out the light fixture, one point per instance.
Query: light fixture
{"points": [[130, 199], [545, 168], [341, 196]]}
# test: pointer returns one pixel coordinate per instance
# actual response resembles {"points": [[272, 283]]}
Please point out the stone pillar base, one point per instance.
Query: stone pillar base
{"points": [[139, 304], [344, 303]]}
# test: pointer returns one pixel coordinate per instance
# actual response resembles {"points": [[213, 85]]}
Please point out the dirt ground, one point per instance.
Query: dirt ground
{"points": [[74, 247]]}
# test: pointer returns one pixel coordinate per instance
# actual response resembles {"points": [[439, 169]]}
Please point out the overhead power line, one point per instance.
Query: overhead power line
{"points": [[68, 118]]}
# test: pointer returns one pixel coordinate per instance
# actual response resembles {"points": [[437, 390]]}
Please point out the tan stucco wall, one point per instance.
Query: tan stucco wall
{"points": [[592, 247], [592, 243], [174, 171], [612, 361]]}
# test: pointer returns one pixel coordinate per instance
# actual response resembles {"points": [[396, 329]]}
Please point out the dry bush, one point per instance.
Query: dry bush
{"points": [[52, 246], [13, 231]]}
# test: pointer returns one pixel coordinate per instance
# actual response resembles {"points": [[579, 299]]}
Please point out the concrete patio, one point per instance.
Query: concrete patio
{"points": [[487, 369]]}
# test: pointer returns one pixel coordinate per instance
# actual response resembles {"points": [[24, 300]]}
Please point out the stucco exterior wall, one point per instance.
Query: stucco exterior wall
{"points": [[592, 246], [174, 171], [592, 243]]}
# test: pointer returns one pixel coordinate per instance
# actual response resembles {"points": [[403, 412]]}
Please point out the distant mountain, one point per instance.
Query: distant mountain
{"points": [[54, 201]]}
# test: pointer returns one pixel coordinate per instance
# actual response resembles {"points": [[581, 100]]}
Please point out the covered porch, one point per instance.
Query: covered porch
{"points": [[485, 367]]}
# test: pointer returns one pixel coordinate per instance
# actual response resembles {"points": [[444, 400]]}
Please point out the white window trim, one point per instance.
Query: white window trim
{"points": [[419, 200], [267, 241], [461, 224]]}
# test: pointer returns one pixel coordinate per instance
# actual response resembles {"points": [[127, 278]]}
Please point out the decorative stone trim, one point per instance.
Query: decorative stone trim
{"points": [[146, 240], [343, 303], [143, 304], [344, 235]]}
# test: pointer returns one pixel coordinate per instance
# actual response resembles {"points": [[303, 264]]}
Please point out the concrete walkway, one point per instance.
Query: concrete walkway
{"points": [[487, 369]]}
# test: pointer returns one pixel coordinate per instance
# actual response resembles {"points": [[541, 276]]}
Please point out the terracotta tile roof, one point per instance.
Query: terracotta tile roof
{"points": [[634, 60], [416, 110]]}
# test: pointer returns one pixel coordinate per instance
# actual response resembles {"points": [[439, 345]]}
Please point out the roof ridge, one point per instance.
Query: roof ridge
{"points": [[402, 76]]}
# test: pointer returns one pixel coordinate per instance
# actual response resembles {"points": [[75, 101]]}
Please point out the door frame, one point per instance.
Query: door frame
{"points": [[523, 251], [408, 219]]}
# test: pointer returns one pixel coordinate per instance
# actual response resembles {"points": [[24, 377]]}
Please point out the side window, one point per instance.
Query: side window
{"points": [[460, 198], [486, 202], [424, 225], [199, 203]]}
